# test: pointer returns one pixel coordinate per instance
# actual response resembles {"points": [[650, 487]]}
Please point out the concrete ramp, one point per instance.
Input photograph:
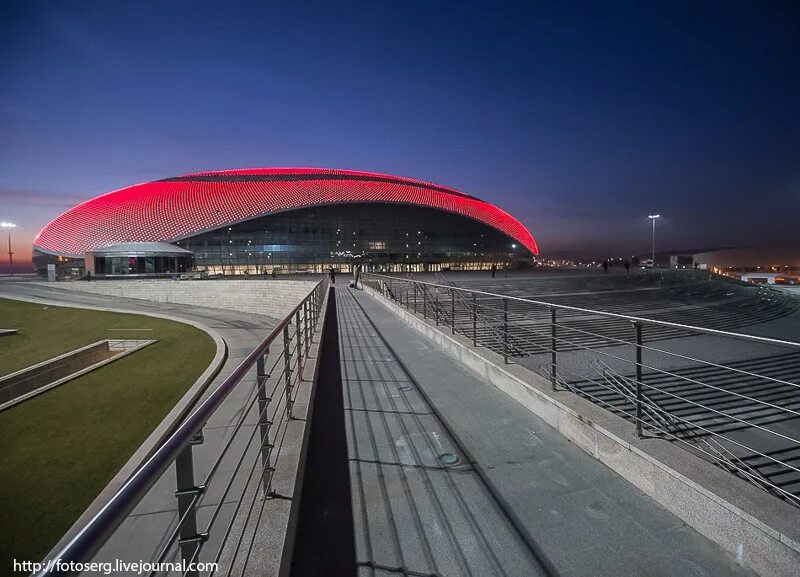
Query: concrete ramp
{"points": [[520, 499], [419, 506]]}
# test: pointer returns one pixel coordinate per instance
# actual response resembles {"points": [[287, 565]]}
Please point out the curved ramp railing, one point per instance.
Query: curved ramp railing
{"points": [[216, 507]]}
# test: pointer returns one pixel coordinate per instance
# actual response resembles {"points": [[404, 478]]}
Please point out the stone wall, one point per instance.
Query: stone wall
{"points": [[272, 298]]}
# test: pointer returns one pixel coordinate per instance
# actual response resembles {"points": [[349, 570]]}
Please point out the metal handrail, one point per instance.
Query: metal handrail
{"points": [[688, 428], [632, 319], [99, 528], [700, 416]]}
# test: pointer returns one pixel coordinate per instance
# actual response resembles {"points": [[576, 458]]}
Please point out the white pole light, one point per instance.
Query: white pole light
{"points": [[9, 226], [653, 217]]}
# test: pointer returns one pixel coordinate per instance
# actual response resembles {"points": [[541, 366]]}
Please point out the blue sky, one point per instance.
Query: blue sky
{"points": [[580, 118]]}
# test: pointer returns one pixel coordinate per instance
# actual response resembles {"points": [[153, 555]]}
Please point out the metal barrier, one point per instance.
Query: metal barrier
{"points": [[742, 415], [240, 475]]}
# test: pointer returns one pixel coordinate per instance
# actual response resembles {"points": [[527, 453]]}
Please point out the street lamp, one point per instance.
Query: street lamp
{"points": [[653, 217], [9, 226]]}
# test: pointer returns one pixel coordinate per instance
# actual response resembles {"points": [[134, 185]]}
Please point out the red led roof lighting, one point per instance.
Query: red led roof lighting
{"points": [[180, 207]]}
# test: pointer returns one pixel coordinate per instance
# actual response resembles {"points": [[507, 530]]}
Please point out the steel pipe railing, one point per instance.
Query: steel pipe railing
{"points": [[646, 321], [668, 393], [267, 412]]}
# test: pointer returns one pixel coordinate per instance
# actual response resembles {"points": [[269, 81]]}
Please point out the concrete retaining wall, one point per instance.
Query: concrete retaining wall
{"points": [[28, 379], [271, 298], [272, 554], [761, 531], [42, 377]]}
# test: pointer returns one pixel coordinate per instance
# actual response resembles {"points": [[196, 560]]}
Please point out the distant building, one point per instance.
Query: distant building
{"points": [[759, 277], [740, 259], [749, 258]]}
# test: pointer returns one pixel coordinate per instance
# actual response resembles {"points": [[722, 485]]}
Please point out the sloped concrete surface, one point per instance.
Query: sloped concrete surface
{"points": [[419, 506], [584, 519]]}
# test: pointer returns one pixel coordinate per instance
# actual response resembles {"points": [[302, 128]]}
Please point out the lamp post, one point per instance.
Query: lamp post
{"points": [[653, 217], [513, 258], [9, 226]]}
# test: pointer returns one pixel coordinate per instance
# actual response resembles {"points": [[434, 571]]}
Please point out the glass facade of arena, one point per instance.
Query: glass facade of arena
{"points": [[65, 266], [141, 265], [380, 236]]}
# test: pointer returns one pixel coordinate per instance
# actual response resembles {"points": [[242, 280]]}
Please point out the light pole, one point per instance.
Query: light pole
{"points": [[9, 226], [653, 217]]}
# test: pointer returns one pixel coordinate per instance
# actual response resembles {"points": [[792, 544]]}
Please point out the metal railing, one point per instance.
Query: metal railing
{"points": [[221, 498], [743, 415]]}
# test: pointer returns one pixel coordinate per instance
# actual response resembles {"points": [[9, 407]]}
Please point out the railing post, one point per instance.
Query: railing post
{"points": [[639, 415], [452, 312], [287, 355], [319, 299], [306, 325], [553, 344], [299, 336], [391, 293], [314, 309], [505, 330], [424, 303], [415, 298], [264, 423], [187, 493], [312, 303], [436, 307], [474, 319]]}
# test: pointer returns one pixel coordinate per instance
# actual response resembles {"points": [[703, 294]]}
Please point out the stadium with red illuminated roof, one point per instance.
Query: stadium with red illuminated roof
{"points": [[289, 219]]}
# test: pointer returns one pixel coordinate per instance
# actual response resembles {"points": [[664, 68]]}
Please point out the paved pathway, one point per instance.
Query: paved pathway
{"points": [[419, 507], [524, 500]]}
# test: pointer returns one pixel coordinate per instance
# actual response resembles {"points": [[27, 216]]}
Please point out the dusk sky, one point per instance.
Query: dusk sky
{"points": [[578, 118]]}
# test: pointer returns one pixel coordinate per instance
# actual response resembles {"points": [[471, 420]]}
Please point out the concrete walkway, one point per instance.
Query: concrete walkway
{"points": [[523, 499], [419, 507]]}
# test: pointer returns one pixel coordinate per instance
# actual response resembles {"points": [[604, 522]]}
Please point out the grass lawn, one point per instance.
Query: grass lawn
{"points": [[58, 450]]}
